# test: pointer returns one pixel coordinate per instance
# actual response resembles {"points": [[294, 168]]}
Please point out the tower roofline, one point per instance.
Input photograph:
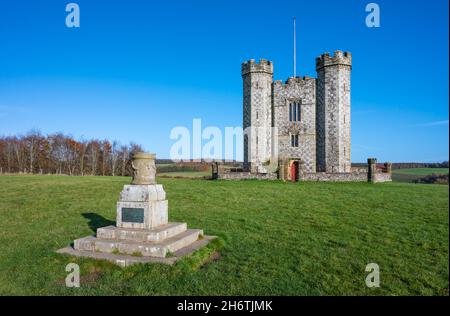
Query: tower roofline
{"points": [[292, 80], [263, 66], [339, 58]]}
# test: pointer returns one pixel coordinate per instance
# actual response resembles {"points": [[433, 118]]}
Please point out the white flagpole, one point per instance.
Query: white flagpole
{"points": [[295, 52]]}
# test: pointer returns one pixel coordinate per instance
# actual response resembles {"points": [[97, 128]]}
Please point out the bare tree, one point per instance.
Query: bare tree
{"points": [[93, 152], [114, 157], [7, 153], [58, 152], [71, 155], [105, 150], [124, 154], [82, 147], [31, 144], [19, 154]]}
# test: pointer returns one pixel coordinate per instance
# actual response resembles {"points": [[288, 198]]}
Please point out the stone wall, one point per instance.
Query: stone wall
{"points": [[302, 91], [379, 177], [375, 175], [335, 177], [382, 177], [246, 176], [359, 169], [356, 175]]}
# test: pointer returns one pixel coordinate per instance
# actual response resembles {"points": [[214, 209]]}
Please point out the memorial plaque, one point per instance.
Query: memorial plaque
{"points": [[133, 215]]}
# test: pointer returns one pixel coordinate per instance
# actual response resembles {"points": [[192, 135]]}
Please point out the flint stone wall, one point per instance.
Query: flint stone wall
{"points": [[335, 177], [333, 112], [247, 176], [257, 108], [296, 90], [382, 177], [360, 175]]}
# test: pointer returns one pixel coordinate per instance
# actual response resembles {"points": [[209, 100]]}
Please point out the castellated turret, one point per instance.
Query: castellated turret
{"points": [[257, 110], [333, 112]]}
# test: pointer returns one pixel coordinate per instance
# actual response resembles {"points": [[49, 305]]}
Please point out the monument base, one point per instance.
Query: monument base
{"points": [[142, 232], [127, 260], [126, 246]]}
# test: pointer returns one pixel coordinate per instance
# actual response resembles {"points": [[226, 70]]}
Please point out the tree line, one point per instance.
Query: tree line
{"points": [[411, 165], [408, 165], [61, 154]]}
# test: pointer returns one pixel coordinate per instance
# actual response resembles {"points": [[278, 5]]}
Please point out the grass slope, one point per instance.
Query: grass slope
{"points": [[421, 171], [279, 238], [409, 175]]}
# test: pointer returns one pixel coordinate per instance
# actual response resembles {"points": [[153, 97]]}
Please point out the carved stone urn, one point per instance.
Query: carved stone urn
{"points": [[144, 168]]}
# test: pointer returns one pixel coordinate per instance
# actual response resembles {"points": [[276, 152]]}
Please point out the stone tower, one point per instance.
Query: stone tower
{"points": [[333, 112], [257, 120]]}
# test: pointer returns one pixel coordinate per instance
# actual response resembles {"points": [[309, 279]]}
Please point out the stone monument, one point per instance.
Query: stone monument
{"points": [[142, 232]]}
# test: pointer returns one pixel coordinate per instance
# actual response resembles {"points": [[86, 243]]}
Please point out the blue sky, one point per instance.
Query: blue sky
{"points": [[136, 69]]}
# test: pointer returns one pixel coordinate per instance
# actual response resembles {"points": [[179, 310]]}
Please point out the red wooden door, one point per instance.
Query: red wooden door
{"points": [[294, 172]]}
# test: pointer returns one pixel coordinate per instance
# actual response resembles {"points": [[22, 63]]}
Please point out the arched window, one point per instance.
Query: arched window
{"points": [[290, 112], [294, 140], [295, 111], [294, 114]]}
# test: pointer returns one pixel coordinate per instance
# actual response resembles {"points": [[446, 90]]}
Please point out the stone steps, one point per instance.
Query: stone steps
{"points": [[140, 235], [158, 249], [127, 260]]}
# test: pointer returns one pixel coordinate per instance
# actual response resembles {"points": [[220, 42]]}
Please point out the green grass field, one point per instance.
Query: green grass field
{"points": [[421, 171], [409, 175], [276, 238]]}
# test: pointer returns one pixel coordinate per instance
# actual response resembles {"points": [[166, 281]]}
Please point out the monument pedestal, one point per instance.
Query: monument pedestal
{"points": [[142, 206], [142, 233]]}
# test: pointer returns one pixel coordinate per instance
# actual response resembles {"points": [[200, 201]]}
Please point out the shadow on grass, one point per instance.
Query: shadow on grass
{"points": [[97, 221]]}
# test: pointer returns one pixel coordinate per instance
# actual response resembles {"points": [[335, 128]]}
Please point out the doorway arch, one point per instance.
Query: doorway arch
{"points": [[294, 170]]}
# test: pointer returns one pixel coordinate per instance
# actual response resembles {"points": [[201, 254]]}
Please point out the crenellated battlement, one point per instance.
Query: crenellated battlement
{"points": [[303, 79], [264, 66], [292, 80], [339, 58]]}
